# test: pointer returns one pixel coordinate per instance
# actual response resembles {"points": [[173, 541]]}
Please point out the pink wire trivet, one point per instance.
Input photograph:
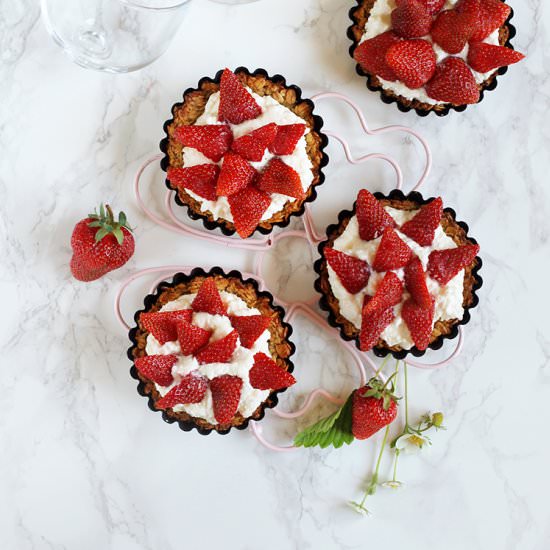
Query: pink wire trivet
{"points": [[263, 245]]}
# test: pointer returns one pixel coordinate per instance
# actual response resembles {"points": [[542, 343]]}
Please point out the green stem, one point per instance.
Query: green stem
{"points": [[381, 368], [371, 488], [395, 464]]}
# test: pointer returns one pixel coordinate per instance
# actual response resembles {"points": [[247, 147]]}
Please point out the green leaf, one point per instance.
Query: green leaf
{"points": [[118, 235], [95, 224], [102, 210], [122, 218], [333, 430], [100, 234]]}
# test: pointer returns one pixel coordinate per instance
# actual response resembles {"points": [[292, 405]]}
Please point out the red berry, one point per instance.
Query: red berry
{"points": [[287, 138], [226, 394], [212, 140], [388, 293], [100, 244], [453, 82], [433, 6], [421, 228], [191, 337], [157, 368], [410, 19], [279, 177], [371, 414], [219, 351], [236, 103], [452, 29], [492, 15], [415, 281], [163, 324], [371, 55], [249, 327], [247, 208], [419, 321], [373, 324], [413, 62], [191, 389], [200, 179], [208, 299], [443, 265], [392, 252], [486, 57], [353, 273], [252, 146], [371, 217], [235, 175], [266, 374]]}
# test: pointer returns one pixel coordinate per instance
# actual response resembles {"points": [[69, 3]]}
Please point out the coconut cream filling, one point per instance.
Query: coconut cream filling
{"points": [[239, 365], [448, 298]]}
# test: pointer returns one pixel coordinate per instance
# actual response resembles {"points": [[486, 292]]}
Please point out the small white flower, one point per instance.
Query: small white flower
{"points": [[393, 484], [411, 443], [358, 508]]}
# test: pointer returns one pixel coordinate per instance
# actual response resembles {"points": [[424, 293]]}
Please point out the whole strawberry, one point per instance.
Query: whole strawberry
{"points": [[373, 407], [100, 244]]}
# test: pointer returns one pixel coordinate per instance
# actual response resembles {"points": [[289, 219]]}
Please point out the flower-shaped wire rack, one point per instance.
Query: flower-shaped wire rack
{"points": [[263, 245]]}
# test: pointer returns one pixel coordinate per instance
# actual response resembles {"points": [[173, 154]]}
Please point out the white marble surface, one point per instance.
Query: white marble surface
{"points": [[85, 465]]}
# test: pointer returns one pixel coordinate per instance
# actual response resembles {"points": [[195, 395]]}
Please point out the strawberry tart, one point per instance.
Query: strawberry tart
{"points": [[432, 55], [211, 351], [243, 152], [398, 274]]}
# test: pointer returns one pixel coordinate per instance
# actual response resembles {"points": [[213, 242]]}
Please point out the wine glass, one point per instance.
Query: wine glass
{"points": [[116, 36]]}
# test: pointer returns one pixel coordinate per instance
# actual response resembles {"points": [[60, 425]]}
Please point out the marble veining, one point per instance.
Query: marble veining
{"points": [[85, 464]]}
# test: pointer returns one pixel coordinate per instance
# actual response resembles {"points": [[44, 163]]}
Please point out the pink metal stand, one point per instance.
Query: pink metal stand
{"points": [[263, 245]]}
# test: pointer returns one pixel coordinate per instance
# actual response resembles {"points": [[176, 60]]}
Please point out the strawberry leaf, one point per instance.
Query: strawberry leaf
{"points": [[333, 430]]}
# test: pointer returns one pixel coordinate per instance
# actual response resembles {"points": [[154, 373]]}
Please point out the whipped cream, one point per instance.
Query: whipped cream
{"points": [[272, 111], [448, 298], [240, 364], [379, 21]]}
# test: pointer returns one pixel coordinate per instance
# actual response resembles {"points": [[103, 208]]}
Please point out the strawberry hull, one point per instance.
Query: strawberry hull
{"points": [[168, 290]]}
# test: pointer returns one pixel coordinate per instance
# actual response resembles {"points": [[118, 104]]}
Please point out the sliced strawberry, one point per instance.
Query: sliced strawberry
{"points": [[413, 62], [419, 321], [453, 82], [249, 327], [388, 294], [162, 324], [212, 140], [191, 337], [236, 103], [443, 265], [219, 351], [392, 252], [492, 15], [191, 389], [279, 177], [415, 281], [371, 55], [371, 217], [433, 6], [208, 299], [226, 394], [421, 228], [373, 324], [486, 57], [267, 375], [353, 273], [252, 146], [200, 179], [453, 28], [247, 208], [410, 19], [287, 138], [235, 175], [157, 368]]}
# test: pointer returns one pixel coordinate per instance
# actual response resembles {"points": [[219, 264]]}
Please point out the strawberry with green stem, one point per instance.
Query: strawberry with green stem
{"points": [[100, 244]]}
